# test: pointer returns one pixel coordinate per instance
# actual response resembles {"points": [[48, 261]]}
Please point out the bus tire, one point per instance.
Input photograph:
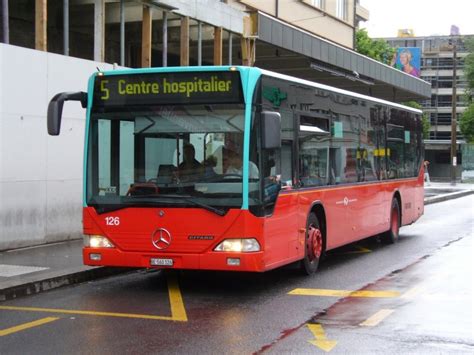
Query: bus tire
{"points": [[313, 245], [392, 235]]}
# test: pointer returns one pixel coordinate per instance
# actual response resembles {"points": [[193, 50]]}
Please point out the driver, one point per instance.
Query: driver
{"points": [[190, 167], [232, 164]]}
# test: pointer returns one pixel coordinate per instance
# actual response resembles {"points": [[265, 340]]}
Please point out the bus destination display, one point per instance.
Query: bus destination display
{"points": [[167, 88]]}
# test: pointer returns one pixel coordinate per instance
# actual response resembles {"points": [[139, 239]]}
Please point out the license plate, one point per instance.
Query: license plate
{"points": [[161, 262]]}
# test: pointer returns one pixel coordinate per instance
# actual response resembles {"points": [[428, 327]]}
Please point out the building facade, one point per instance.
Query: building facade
{"points": [[437, 68], [116, 31], [55, 45], [311, 39]]}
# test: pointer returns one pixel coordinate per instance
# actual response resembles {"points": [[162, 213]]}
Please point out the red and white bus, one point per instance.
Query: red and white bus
{"points": [[239, 169]]}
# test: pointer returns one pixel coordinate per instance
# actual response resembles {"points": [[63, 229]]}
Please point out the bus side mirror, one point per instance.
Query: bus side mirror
{"points": [[55, 109], [271, 130]]}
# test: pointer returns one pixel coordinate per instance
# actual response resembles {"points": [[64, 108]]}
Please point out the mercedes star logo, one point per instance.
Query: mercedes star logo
{"points": [[161, 239]]}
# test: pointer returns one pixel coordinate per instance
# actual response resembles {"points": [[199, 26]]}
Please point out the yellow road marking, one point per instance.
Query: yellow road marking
{"points": [[24, 326], [359, 250], [377, 318], [178, 312], [87, 313], [413, 292], [343, 293], [321, 341]]}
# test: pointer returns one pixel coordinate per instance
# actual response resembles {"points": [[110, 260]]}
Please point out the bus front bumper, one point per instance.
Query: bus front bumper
{"points": [[206, 261]]}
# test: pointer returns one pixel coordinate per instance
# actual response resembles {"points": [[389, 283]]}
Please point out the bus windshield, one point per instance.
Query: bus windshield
{"points": [[166, 156]]}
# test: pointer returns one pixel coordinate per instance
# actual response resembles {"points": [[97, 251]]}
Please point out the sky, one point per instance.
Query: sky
{"points": [[425, 17]]}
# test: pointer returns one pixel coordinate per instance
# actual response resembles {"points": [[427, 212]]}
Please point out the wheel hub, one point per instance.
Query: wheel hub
{"points": [[395, 226], [314, 244]]}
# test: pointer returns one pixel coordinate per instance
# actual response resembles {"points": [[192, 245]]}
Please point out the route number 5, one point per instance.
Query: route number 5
{"points": [[104, 90], [112, 221]]}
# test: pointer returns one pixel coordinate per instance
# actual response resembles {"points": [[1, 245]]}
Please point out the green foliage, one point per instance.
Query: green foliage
{"points": [[469, 63], [425, 121], [466, 124], [375, 49]]}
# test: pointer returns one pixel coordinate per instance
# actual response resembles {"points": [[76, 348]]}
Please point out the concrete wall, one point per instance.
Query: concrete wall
{"points": [[40, 176]]}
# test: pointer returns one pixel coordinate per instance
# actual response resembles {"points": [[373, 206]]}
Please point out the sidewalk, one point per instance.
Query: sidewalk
{"points": [[36, 269], [40, 268], [443, 191]]}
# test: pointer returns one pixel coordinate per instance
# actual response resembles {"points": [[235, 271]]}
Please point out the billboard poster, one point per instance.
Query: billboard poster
{"points": [[408, 60]]}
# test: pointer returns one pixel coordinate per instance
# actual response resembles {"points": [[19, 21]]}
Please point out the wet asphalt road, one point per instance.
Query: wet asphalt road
{"points": [[418, 300]]}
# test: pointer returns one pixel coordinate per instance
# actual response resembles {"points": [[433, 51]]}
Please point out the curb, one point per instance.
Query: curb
{"points": [[56, 279], [447, 197]]}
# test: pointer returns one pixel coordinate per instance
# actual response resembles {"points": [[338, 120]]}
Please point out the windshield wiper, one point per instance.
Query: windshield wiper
{"points": [[189, 199], [149, 200], [105, 208]]}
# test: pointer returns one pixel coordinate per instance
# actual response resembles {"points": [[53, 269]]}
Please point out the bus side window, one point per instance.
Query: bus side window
{"points": [[396, 144]]}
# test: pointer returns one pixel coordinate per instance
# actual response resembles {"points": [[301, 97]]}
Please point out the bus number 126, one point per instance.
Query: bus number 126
{"points": [[112, 221]]}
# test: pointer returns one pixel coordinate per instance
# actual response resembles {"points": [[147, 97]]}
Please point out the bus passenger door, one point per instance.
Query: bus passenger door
{"points": [[281, 229]]}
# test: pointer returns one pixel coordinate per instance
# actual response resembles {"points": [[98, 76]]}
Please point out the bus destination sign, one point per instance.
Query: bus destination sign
{"points": [[167, 88]]}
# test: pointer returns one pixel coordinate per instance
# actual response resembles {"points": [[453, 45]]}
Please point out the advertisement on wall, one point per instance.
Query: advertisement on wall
{"points": [[408, 60]]}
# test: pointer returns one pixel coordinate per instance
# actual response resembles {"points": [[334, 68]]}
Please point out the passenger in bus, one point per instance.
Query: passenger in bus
{"points": [[190, 168], [210, 164], [232, 164]]}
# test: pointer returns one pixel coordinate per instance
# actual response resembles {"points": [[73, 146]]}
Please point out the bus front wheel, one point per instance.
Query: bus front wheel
{"points": [[313, 245], [391, 236]]}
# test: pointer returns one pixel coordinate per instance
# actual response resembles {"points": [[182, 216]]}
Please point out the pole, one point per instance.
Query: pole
{"points": [[41, 25], [122, 33], [454, 118], [184, 42], [6, 28], [146, 36], [165, 38], [99, 30], [199, 43], [66, 27], [230, 48]]}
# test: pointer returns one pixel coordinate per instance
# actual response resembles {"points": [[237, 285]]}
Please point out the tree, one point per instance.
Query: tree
{"points": [[424, 118], [469, 64], [377, 49], [466, 123]]}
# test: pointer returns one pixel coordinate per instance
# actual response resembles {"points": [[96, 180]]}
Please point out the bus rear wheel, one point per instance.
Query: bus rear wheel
{"points": [[391, 236], [313, 245]]}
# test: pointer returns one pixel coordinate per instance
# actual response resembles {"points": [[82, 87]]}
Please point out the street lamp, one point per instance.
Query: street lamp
{"points": [[454, 34]]}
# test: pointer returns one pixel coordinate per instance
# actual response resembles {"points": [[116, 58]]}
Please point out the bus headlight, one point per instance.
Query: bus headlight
{"points": [[97, 241], [239, 245]]}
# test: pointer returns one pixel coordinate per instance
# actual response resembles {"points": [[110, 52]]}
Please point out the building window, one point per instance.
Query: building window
{"points": [[341, 9]]}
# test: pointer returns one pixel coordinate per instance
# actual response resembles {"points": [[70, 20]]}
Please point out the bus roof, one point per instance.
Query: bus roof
{"points": [[336, 90]]}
